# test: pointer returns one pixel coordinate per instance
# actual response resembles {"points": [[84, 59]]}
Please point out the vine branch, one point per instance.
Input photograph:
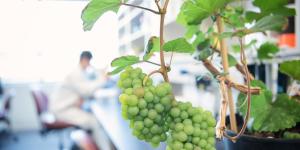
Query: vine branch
{"points": [[144, 8], [162, 11]]}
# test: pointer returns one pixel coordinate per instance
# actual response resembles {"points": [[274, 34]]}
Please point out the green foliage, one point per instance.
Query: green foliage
{"points": [[203, 50], [270, 116], [122, 62], [237, 48], [267, 50], [267, 7], [192, 12], [267, 23], [231, 60], [191, 31], [95, 9], [291, 68], [179, 45], [234, 16], [152, 46]]}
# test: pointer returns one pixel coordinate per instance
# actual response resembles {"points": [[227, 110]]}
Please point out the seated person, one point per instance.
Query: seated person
{"points": [[66, 101]]}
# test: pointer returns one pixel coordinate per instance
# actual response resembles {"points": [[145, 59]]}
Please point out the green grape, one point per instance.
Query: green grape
{"points": [[181, 136], [158, 119], [177, 145], [138, 125], [132, 100], [195, 140], [188, 129], [124, 75], [202, 143], [191, 111], [177, 120], [152, 114], [156, 99], [123, 98], [139, 92], [160, 91], [184, 115], [144, 112], [133, 111], [155, 139], [203, 125], [203, 134], [159, 108], [179, 127], [142, 104], [163, 137], [197, 118], [188, 146], [148, 122], [211, 141], [175, 112], [211, 131], [128, 91], [126, 83], [166, 100], [155, 129], [148, 97], [197, 132], [187, 122]]}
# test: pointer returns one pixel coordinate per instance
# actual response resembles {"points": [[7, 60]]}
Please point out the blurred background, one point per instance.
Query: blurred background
{"points": [[41, 41]]}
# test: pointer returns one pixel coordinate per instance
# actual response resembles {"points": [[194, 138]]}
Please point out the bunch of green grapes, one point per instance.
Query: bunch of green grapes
{"points": [[291, 135], [145, 105], [190, 128]]}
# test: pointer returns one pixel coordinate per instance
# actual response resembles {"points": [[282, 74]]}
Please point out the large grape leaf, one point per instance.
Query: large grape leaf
{"points": [[95, 9], [194, 11], [179, 45], [267, 50], [291, 68], [122, 62], [269, 116], [267, 7]]}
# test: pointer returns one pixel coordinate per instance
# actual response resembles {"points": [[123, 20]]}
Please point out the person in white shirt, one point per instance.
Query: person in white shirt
{"points": [[66, 101]]}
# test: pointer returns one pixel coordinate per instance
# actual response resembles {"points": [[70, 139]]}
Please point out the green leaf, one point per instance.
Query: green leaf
{"points": [[267, 51], [152, 46], [237, 48], [270, 116], [225, 35], [231, 60], [191, 31], [122, 62], [179, 45], [194, 11], [269, 23], [291, 68], [267, 7], [95, 9], [200, 37], [203, 50]]}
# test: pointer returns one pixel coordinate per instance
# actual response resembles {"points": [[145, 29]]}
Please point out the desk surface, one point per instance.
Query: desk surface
{"points": [[108, 112]]}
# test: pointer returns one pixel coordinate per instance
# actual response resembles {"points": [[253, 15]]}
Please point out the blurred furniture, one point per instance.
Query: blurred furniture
{"points": [[47, 120], [50, 124], [4, 108]]}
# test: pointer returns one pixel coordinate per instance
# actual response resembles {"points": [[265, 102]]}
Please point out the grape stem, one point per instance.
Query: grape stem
{"points": [[162, 11], [150, 62]]}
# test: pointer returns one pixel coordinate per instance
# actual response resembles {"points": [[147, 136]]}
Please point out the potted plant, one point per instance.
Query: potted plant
{"points": [[154, 113]]}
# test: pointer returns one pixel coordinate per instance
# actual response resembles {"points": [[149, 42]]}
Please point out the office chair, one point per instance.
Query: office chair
{"points": [[49, 123]]}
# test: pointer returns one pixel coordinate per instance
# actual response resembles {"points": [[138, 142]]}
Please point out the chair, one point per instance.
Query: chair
{"points": [[48, 121], [6, 107]]}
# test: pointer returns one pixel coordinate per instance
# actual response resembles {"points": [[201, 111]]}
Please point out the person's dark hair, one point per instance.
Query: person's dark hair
{"points": [[86, 55]]}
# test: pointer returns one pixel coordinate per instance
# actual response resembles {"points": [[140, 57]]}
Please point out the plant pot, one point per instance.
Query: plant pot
{"points": [[249, 142]]}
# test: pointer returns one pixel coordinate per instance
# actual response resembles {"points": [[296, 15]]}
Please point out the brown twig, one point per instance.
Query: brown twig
{"points": [[240, 87], [144, 8], [150, 74]]}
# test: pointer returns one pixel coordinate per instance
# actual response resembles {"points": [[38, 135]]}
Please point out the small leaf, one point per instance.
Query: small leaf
{"points": [[269, 23], [95, 9], [237, 48], [122, 62], [194, 11], [152, 46], [200, 37], [291, 68], [268, 7], [203, 50], [231, 60], [267, 50], [179, 45]]}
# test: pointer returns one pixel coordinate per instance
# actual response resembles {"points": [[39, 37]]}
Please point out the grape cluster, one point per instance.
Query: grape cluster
{"points": [[190, 128], [291, 135], [146, 106], [156, 117]]}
